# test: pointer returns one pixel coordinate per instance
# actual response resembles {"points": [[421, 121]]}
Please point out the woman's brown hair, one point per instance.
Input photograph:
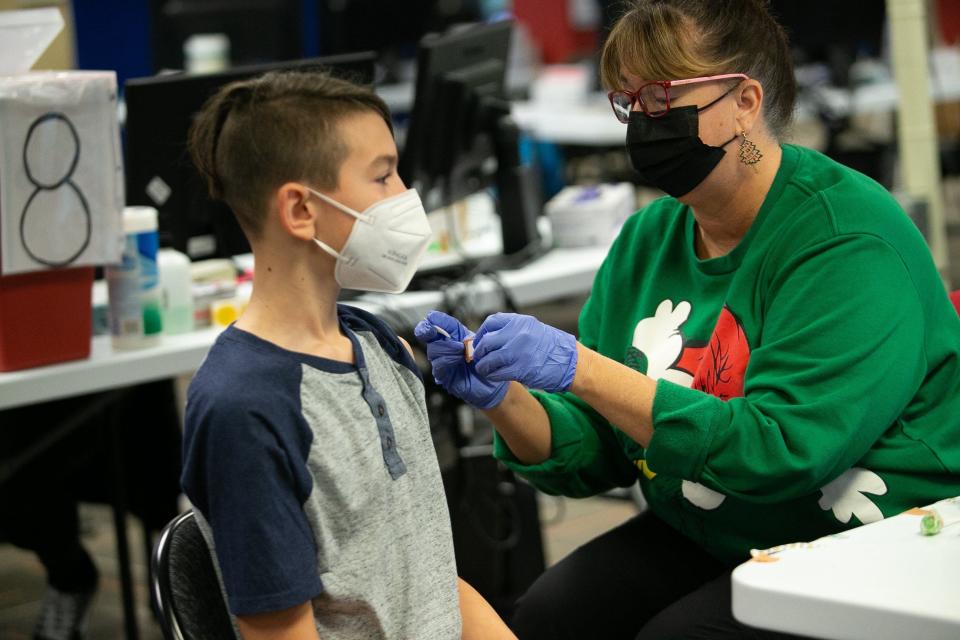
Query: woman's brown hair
{"points": [[677, 39], [254, 135]]}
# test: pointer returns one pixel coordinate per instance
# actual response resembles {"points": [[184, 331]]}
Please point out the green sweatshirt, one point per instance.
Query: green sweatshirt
{"points": [[808, 381]]}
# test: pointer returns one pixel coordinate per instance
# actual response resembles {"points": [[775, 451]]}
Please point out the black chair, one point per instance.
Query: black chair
{"points": [[186, 592]]}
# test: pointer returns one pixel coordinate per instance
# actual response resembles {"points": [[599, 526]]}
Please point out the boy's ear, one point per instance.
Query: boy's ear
{"points": [[296, 211]]}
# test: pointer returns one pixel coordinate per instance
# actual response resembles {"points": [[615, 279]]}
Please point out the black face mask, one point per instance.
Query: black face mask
{"points": [[667, 151]]}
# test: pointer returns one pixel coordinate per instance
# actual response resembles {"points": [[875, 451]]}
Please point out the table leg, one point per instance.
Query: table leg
{"points": [[120, 526]]}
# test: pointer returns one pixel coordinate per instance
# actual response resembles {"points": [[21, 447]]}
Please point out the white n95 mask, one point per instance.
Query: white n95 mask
{"points": [[386, 245]]}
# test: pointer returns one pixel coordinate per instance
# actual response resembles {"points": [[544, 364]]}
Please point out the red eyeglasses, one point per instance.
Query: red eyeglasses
{"points": [[654, 97]]}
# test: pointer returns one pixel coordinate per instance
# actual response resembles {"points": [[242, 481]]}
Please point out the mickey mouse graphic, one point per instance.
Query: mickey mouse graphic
{"points": [[723, 363], [659, 344], [718, 367], [661, 350]]}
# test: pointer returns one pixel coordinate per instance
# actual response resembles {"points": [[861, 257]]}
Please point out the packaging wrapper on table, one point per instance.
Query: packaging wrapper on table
{"points": [[61, 196]]}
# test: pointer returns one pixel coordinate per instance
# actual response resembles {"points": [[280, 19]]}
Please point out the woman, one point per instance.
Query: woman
{"points": [[769, 350]]}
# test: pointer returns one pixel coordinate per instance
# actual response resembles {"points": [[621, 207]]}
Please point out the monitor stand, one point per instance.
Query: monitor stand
{"points": [[518, 201]]}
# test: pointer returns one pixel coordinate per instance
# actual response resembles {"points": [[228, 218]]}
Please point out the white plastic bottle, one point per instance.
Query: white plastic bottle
{"points": [[134, 285], [176, 289], [206, 52]]}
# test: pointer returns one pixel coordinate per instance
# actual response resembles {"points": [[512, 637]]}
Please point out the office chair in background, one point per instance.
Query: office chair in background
{"points": [[186, 592]]}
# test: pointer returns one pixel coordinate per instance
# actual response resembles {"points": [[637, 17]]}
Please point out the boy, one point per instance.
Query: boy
{"points": [[307, 452]]}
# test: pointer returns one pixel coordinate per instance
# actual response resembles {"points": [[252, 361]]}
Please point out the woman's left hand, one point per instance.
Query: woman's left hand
{"points": [[509, 346]]}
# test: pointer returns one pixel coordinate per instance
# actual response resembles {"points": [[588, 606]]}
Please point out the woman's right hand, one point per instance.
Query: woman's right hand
{"points": [[450, 369]]}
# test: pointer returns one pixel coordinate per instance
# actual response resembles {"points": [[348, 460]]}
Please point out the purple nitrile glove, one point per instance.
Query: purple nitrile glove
{"points": [[510, 346], [451, 371]]}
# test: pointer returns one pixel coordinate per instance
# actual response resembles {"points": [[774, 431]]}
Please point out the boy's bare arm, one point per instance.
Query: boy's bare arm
{"points": [[295, 623], [480, 621]]}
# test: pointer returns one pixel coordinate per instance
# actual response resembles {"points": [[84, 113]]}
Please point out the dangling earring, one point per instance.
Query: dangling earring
{"points": [[749, 153]]}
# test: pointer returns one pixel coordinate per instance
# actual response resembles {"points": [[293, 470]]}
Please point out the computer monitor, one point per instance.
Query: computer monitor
{"points": [[461, 138], [159, 172], [392, 29]]}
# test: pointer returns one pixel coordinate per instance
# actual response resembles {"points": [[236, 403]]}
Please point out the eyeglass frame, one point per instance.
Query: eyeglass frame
{"points": [[666, 84]]}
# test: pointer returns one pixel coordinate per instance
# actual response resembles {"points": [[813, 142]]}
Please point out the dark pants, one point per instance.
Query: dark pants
{"points": [[38, 500], [38, 512], [642, 580]]}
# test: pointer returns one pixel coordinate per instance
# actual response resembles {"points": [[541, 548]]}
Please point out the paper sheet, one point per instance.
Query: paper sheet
{"points": [[61, 171]]}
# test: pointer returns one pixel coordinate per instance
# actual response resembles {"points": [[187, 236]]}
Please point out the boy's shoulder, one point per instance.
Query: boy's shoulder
{"points": [[243, 372], [242, 375], [241, 361], [359, 320]]}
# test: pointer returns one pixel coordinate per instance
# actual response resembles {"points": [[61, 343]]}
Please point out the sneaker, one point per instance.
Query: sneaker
{"points": [[63, 615]]}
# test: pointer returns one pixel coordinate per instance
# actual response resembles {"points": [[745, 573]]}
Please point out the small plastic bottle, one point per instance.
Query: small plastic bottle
{"points": [[134, 284], [206, 52], [176, 291]]}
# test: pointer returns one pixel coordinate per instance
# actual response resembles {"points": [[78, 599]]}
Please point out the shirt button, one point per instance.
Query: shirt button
{"points": [[381, 410]]}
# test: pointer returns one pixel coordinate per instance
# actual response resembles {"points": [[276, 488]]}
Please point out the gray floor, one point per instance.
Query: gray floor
{"points": [[22, 582], [567, 524]]}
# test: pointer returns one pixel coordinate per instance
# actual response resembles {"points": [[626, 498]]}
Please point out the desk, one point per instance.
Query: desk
{"points": [[877, 582], [558, 273], [106, 369]]}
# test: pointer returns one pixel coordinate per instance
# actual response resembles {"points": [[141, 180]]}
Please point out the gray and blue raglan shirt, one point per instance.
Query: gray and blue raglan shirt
{"points": [[317, 480]]}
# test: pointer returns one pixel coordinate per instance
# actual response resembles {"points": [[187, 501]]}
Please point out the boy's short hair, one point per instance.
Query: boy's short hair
{"points": [[254, 135]]}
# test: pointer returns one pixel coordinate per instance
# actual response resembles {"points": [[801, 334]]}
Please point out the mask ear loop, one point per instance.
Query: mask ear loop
{"points": [[341, 207], [749, 154], [324, 246], [718, 98]]}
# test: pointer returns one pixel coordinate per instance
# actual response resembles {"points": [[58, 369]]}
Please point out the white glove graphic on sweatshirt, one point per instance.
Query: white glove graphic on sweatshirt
{"points": [[701, 496], [660, 340], [846, 496]]}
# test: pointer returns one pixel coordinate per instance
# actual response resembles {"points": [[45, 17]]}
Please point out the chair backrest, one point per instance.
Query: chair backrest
{"points": [[955, 299], [186, 591]]}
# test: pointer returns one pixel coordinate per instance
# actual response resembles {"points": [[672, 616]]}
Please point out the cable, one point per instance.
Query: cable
{"points": [[508, 298]]}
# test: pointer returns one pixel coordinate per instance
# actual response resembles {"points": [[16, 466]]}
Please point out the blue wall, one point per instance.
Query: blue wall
{"points": [[116, 34], [113, 34]]}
